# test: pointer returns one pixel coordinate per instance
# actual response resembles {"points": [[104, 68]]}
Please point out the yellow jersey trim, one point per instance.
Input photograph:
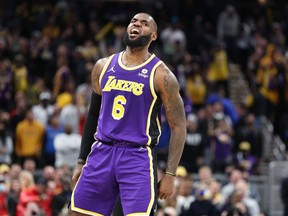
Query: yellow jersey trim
{"points": [[135, 67], [153, 103], [105, 69]]}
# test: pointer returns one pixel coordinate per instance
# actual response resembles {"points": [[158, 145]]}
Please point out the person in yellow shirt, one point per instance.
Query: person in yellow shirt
{"points": [[267, 78], [218, 72], [20, 74], [196, 89], [29, 138]]}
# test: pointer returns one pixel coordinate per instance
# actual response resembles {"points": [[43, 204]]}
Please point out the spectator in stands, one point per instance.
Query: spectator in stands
{"points": [[218, 73], [53, 128], [17, 113], [45, 197], [184, 194], [49, 176], [228, 25], [205, 176], [172, 36], [71, 114], [29, 165], [66, 97], [268, 79], [34, 90], [249, 132], [195, 86], [3, 195], [61, 199], [196, 140], [20, 74], [240, 201], [13, 197], [67, 146], [201, 205], [215, 195], [43, 110], [28, 198], [228, 187], [6, 84], [14, 171], [29, 138], [6, 143], [243, 158], [51, 28], [221, 143]]}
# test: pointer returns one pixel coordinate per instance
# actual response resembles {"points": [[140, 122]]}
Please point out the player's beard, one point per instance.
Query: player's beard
{"points": [[141, 41]]}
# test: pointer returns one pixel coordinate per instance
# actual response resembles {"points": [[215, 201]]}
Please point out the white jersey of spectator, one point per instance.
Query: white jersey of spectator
{"points": [[70, 114], [228, 23], [44, 109], [171, 35], [67, 146], [6, 149]]}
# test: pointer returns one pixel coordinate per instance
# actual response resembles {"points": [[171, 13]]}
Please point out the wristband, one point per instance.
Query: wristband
{"points": [[170, 173], [81, 161]]}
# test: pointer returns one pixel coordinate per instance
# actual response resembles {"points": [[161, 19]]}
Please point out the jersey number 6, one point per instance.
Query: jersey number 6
{"points": [[118, 108]]}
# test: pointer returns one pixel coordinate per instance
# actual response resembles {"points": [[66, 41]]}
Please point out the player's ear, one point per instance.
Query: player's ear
{"points": [[154, 36]]}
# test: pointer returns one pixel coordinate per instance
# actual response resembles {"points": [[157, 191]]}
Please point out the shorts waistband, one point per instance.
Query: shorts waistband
{"points": [[122, 144]]}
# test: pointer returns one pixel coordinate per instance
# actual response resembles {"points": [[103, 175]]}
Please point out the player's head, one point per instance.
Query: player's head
{"points": [[141, 31]]}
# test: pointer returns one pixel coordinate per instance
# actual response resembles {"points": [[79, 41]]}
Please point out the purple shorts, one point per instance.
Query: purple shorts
{"points": [[112, 171]]}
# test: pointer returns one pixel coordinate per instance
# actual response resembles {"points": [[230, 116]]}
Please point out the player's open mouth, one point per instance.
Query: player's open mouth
{"points": [[134, 32]]}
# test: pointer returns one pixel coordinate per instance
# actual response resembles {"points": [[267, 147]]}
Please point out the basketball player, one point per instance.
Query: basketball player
{"points": [[129, 89]]}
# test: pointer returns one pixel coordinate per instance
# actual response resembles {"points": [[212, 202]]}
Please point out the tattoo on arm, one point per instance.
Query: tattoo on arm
{"points": [[176, 116], [172, 102]]}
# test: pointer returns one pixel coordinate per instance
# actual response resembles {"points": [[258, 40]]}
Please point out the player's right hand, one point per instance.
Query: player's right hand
{"points": [[76, 173], [166, 187]]}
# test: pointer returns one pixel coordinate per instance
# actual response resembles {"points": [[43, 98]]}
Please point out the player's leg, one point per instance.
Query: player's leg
{"points": [[137, 178], [96, 191]]}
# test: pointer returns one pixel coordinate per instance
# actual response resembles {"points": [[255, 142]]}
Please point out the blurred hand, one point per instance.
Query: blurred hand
{"points": [[76, 173], [166, 186]]}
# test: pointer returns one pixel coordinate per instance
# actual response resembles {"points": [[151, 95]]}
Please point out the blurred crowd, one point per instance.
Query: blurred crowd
{"points": [[207, 195], [48, 49]]}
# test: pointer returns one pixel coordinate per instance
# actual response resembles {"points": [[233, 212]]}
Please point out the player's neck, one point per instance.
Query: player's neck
{"points": [[134, 57]]}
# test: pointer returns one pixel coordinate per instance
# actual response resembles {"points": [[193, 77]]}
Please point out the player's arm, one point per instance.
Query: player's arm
{"points": [[91, 121], [167, 87]]}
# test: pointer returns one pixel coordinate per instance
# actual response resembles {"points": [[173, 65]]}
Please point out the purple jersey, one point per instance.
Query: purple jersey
{"points": [[130, 106]]}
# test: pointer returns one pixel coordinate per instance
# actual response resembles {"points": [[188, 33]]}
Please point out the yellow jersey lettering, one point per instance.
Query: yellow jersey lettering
{"points": [[108, 85], [120, 84], [123, 85], [138, 89]]}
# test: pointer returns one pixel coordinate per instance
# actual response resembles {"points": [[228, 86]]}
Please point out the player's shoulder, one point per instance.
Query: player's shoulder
{"points": [[100, 63], [164, 78], [163, 70]]}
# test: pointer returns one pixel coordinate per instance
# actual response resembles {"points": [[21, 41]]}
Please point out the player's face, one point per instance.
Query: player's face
{"points": [[140, 41], [140, 31]]}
